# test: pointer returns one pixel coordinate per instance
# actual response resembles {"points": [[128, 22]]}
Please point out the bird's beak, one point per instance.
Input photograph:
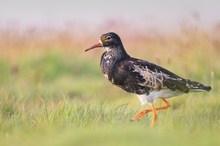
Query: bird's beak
{"points": [[99, 44]]}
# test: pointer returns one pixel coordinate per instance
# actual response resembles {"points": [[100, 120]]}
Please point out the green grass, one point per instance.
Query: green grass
{"points": [[58, 98], [73, 122], [56, 101]]}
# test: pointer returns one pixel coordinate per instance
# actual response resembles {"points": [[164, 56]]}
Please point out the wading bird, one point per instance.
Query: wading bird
{"points": [[147, 80]]}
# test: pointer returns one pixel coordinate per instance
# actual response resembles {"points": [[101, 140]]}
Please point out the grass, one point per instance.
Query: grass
{"points": [[52, 93]]}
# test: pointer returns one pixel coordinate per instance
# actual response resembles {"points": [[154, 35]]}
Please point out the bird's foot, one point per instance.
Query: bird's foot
{"points": [[140, 115]]}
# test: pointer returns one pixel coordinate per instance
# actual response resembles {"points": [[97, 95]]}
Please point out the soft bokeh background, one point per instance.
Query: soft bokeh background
{"points": [[146, 12], [53, 93]]}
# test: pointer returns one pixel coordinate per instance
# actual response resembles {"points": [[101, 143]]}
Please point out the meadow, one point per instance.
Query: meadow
{"points": [[53, 93]]}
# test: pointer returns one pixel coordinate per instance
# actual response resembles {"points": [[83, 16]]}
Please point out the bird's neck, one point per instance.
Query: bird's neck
{"points": [[117, 52], [110, 58]]}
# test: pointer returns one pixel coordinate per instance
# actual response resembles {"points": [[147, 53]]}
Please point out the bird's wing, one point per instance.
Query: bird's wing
{"points": [[151, 75]]}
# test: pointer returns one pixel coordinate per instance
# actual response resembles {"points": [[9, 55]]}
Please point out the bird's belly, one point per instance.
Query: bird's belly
{"points": [[153, 95]]}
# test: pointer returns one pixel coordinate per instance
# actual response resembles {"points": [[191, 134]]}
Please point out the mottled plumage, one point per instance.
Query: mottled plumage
{"points": [[149, 81]]}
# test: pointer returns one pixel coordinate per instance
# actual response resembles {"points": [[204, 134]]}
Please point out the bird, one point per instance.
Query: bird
{"points": [[143, 78]]}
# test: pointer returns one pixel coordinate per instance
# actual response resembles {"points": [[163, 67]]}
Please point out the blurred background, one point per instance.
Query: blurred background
{"points": [[52, 92]]}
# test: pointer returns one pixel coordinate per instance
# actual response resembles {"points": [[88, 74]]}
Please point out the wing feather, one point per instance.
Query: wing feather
{"points": [[152, 76]]}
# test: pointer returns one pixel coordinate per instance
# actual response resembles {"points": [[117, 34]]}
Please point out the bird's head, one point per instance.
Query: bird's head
{"points": [[108, 40]]}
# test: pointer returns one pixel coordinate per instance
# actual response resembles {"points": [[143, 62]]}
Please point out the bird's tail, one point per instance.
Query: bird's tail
{"points": [[197, 87]]}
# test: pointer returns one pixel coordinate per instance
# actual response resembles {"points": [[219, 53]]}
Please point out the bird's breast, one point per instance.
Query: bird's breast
{"points": [[107, 65]]}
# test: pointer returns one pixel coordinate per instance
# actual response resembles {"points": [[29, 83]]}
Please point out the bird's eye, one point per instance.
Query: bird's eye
{"points": [[108, 38]]}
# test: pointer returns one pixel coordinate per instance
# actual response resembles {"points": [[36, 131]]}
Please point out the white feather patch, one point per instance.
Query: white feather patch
{"points": [[106, 76], [150, 76], [153, 95], [107, 49]]}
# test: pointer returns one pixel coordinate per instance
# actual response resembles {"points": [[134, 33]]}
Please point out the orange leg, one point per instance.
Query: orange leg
{"points": [[155, 116], [141, 114]]}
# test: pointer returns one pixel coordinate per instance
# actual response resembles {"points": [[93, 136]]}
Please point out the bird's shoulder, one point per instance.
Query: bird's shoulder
{"points": [[138, 65]]}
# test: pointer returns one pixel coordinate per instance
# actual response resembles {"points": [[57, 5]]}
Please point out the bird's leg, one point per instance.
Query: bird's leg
{"points": [[155, 116], [165, 106], [159, 108], [141, 114]]}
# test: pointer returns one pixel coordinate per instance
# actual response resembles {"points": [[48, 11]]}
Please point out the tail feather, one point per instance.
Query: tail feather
{"points": [[198, 87]]}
